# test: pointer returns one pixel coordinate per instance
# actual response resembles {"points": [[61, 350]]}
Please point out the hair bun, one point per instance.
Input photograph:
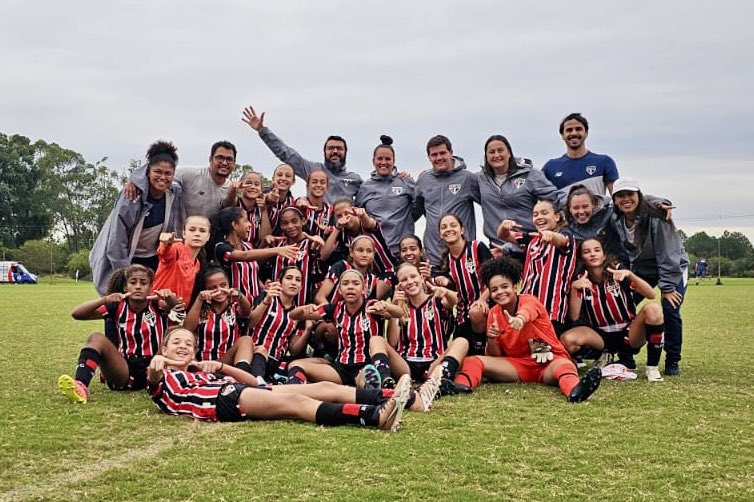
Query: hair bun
{"points": [[163, 148], [386, 140]]}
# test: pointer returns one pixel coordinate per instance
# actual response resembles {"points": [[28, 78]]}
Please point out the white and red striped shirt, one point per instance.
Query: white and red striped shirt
{"points": [[217, 332], [425, 332], [275, 329], [354, 330], [189, 393], [548, 271], [370, 281], [464, 271], [243, 275], [139, 333], [609, 305], [307, 262]]}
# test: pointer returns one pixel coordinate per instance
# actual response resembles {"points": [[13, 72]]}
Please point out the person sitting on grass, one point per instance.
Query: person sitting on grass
{"points": [[214, 391], [135, 323], [604, 296], [521, 342]]}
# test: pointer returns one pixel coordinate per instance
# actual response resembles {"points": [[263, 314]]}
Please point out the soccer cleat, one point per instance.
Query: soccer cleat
{"points": [[388, 383], [672, 368], [586, 386], [430, 389], [392, 411], [653, 374], [579, 361], [603, 360], [450, 388], [627, 360], [75, 391], [372, 378]]}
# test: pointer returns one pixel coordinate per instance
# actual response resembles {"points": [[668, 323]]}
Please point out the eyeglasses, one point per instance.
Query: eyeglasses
{"points": [[220, 159]]}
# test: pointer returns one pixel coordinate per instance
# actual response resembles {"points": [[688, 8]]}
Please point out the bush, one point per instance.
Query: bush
{"points": [[79, 261], [42, 257]]}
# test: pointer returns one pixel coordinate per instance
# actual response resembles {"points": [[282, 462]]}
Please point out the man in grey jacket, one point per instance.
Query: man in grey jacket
{"points": [[342, 183], [446, 188]]}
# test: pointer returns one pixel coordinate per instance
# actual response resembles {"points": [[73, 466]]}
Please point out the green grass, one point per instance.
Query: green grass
{"points": [[689, 438]]}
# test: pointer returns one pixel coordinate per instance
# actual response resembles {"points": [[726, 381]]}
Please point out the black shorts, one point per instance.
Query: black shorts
{"points": [[419, 370], [226, 406], [273, 366], [561, 327], [137, 374], [477, 341], [348, 372]]}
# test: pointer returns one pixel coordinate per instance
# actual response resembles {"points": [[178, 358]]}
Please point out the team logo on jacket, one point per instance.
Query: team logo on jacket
{"points": [[229, 317], [470, 266], [519, 182], [454, 188], [590, 170], [149, 318], [364, 323], [396, 190], [347, 181]]}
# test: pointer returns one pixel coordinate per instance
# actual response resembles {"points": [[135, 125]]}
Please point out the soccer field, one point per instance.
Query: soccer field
{"points": [[687, 438]]}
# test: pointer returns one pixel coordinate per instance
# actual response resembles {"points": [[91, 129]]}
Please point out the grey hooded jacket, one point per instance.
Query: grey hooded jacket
{"points": [[389, 199]]}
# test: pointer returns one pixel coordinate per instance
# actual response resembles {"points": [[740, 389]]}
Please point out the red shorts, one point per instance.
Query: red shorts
{"points": [[529, 370]]}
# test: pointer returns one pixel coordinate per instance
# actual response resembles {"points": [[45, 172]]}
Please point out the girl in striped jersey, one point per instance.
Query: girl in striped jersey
{"points": [[550, 260], [279, 197], [412, 251], [319, 214], [418, 340], [359, 324], [353, 222], [306, 256], [253, 201], [273, 331], [138, 322], [237, 256], [215, 315], [214, 391], [603, 298], [460, 264]]}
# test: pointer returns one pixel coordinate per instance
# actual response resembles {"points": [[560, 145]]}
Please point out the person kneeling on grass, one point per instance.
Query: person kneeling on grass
{"points": [[213, 391], [521, 341]]}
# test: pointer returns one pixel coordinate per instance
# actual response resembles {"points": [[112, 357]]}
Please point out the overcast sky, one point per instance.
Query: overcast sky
{"points": [[667, 86]]}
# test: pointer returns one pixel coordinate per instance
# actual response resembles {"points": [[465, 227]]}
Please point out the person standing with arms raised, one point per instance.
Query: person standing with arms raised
{"points": [[342, 183]]}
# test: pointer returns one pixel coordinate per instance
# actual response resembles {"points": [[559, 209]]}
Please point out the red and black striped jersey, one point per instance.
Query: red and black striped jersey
{"points": [[547, 274], [190, 393], [464, 271], [275, 329], [425, 332], [217, 332], [139, 333], [384, 261], [354, 330], [609, 305], [273, 211], [243, 275], [370, 281], [254, 214], [313, 218], [307, 262]]}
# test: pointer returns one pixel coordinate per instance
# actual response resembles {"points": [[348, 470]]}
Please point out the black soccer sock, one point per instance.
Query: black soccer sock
{"points": [[450, 367], [382, 364], [87, 366], [258, 365], [479, 340], [296, 375], [371, 396], [655, 334], [244, 365], [342, 414]]}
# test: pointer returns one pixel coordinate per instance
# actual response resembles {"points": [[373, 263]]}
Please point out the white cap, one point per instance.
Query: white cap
{"points": [[626, 185]]}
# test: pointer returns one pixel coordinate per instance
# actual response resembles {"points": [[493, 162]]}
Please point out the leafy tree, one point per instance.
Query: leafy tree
{"points": [[700, 244], [735, 245], [79, 261], [24, 198], [42, 256]]}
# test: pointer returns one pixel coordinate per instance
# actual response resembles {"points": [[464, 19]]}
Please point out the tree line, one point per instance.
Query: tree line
{"points": [[53, 203]]}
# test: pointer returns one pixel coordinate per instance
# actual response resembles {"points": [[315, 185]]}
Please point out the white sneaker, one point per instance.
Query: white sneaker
{"points": [[653, 374], [430, 389], [602, 361]]}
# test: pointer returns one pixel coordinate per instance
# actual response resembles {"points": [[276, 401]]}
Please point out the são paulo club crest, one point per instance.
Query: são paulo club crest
{"points": [[396, 190], [429, 313], [364, 323], [613, 288], [229, 316], [470, 266], [519, 182], [149, 318], [590, 170], [454, 188]]}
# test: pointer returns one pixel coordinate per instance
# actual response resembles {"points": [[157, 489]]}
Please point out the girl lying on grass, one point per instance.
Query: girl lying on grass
{"points": [[521, 341], [211, 390], [134, 323]]}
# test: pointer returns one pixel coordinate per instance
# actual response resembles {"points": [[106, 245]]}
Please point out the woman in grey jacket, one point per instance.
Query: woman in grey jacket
{"points": [[387, 196], [656, 255], [132, 230]]}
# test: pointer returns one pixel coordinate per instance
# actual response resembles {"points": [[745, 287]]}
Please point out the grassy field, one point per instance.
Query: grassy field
{"points": [[689, 438]]}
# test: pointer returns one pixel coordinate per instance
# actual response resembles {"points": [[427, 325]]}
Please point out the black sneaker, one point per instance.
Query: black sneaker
{"points": [[586, 387], [450, 388], [672, 368], [627, 360], [388, 383]]}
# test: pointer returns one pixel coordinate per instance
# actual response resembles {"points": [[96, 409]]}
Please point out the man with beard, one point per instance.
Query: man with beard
{"points": [[580, 166], [342, 183], [446, 188], [203, 189]]}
